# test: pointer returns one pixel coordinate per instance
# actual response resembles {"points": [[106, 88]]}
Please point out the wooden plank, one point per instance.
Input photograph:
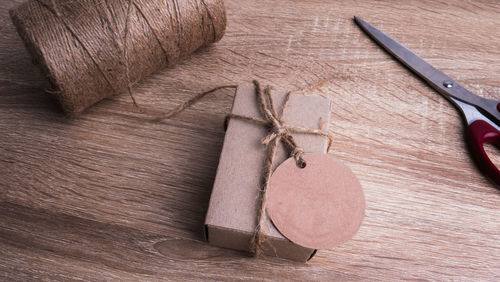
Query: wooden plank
{"points": [[110, 195]]}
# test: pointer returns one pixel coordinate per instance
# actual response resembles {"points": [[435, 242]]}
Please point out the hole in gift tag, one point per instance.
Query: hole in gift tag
{"points": [[302, 164], [317, 207]]}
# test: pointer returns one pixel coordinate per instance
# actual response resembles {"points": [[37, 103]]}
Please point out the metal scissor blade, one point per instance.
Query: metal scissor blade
{"points": [[435, 78], [470, 113]]}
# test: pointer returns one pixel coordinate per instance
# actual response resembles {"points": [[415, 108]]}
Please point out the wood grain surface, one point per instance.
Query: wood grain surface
{"points": [[109, 196]]}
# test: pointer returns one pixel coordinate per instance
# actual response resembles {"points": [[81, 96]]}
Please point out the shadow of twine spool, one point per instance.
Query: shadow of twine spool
{"points": [[92, 49]]}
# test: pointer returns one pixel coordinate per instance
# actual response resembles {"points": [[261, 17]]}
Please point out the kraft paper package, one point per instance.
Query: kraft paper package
{"points": [[232, 214]]}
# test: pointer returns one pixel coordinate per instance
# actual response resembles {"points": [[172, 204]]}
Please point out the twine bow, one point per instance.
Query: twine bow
{"points": [[278, 131]]}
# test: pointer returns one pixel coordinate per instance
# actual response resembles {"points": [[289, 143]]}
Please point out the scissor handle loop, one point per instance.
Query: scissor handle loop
{"points": [[478, 133]]}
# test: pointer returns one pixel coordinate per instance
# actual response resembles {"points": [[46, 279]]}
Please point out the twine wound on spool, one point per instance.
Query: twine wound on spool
{"points": [[93, 49]]}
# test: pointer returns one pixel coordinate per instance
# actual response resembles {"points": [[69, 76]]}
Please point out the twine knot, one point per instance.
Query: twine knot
{"points": [[280, 132]]}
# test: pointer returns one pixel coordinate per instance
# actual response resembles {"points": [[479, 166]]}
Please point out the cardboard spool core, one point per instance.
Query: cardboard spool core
{"points": [[319, 206]]}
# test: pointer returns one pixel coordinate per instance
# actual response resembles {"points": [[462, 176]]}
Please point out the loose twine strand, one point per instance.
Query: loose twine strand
{"points": [[278, 131]]}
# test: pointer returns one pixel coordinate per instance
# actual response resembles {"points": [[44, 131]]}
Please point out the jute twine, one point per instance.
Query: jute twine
{"points": [[278, 131], [92, 49]]}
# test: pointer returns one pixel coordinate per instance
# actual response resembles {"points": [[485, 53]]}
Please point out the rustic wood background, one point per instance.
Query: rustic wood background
{"points": [[110, 196]]}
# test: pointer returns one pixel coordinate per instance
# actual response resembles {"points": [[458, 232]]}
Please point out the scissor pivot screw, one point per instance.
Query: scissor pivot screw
{"points": [[448, 84]]}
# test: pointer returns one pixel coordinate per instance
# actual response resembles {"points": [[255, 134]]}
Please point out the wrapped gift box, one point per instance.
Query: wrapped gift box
{"points": [[232, 214]]}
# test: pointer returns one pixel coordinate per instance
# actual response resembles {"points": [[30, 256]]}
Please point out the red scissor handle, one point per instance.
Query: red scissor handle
{"points": [[478, 133]]}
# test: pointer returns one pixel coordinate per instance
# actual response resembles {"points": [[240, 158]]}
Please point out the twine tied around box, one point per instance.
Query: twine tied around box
{"points": [[278, 132]]}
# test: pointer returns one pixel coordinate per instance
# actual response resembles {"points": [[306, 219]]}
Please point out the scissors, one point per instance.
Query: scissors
{"points": [[481, 115]]}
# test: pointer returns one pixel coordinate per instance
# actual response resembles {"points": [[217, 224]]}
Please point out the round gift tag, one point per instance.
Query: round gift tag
{"points": [[318, 206]]}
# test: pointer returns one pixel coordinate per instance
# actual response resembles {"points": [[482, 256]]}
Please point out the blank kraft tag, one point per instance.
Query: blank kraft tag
{"points": [[318, 206]]}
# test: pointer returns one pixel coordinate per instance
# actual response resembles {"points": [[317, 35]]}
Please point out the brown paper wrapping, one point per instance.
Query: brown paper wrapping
{"points": [[232, 213]]}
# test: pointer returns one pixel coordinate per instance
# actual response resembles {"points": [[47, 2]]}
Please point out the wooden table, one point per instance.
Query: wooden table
{"points": [[110, 196]]}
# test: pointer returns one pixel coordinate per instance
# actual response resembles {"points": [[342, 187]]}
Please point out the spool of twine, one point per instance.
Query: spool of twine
{"points": [[92, 49]]}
